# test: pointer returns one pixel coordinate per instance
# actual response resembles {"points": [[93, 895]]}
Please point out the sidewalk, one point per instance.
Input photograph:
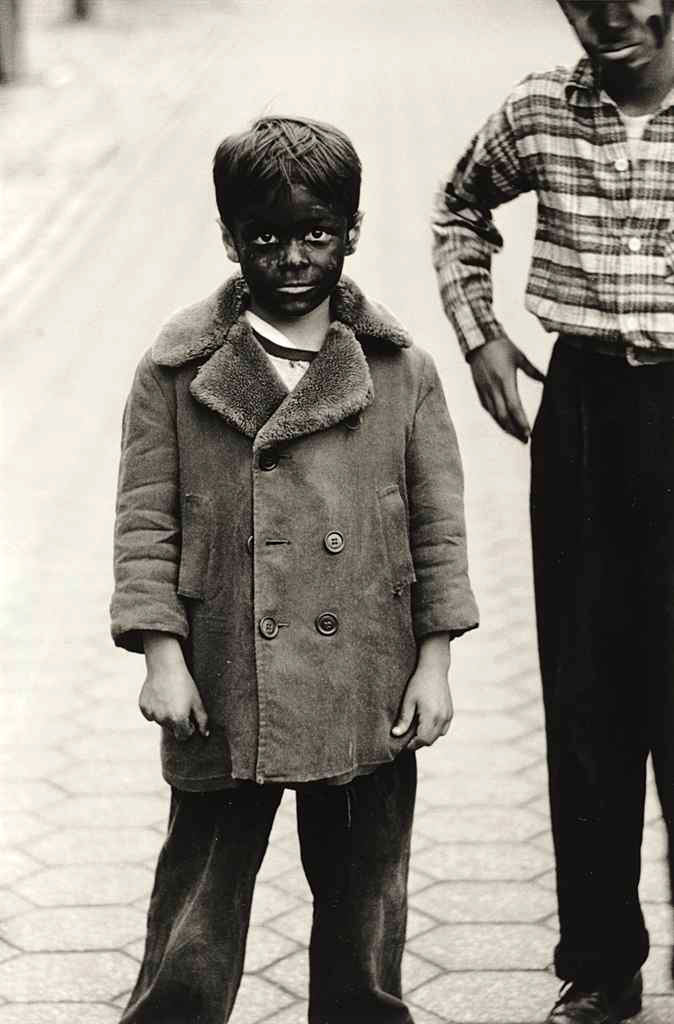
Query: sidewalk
{"points": [[83, 809]]}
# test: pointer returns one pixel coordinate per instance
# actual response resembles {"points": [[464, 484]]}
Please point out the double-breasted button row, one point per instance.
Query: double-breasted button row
{"points": [[326, 624], [333, 542]]}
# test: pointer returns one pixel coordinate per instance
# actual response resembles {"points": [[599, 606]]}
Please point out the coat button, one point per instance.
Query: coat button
{"points": [[268, 459], [352, 422], [268, 627], [333, 542], [327, 623]]}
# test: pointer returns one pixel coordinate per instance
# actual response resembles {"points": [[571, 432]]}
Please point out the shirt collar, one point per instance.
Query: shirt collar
{"points": [[267, 331], [583, 88]]}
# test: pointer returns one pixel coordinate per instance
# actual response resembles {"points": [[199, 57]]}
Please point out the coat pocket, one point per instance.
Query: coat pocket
{"points": [[396, 536], [195, 553]]}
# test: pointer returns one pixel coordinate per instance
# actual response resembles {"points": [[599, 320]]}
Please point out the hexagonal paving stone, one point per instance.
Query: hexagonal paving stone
{"points": [[257, 999], [479, 788], [269, 902], [485, 947], [476, 728], [20, 828], [107, 811], [50, 1013], [98, 846], [493, 759], [657, 1010], [264, 947], [116, 745], [659, 923], [466, 902], [295, 925], [480, 997], [14, 864], [657, 971], [296, 1013], [27, 796], [654, 884], [58, 976], [101, 777], [416, 971], [482, 862], [292, 973], [86, 884], [38, 763], [474, 824], [75, 929], [11, 904]]}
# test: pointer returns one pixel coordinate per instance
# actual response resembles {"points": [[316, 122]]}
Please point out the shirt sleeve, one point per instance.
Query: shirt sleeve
{"points": [[442, 598], [147, 525], [464, 234]]}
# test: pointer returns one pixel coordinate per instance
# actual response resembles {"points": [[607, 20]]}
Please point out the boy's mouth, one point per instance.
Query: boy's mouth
{"points": [[295, 289], [618, 51]]}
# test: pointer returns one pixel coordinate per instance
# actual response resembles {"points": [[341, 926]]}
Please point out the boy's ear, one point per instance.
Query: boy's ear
{"points": [[229, 243], [353, 234]]}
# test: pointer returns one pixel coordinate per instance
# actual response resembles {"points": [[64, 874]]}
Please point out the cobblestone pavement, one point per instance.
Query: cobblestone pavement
{"points": [[83, 806]]}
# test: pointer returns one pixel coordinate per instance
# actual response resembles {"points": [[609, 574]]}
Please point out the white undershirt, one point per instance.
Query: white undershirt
{"points": [[290, 371], [635, 128]]}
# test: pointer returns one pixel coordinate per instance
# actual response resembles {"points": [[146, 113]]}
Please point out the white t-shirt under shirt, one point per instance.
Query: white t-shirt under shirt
{"points": [[290, 362], [635, 128]]}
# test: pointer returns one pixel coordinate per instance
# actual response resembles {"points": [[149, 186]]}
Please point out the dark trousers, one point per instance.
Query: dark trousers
{"points": [[602, 504], [355, 843]]}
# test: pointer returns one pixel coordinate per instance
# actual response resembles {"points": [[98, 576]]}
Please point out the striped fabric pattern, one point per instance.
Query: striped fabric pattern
{"points": [[603, 259]]}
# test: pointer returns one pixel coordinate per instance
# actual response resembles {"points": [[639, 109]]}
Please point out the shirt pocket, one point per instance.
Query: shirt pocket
{"points": [[396, 536], [197, 521]]}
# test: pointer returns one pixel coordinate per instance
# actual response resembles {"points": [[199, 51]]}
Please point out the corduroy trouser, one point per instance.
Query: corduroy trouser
{"points": [[602, 505], [354, 842]]}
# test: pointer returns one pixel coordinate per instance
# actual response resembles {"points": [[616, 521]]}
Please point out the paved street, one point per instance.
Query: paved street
{"points": [[125, 235]]}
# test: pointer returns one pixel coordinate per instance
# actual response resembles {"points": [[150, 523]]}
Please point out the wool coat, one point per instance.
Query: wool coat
{"points": [[299, 544]]}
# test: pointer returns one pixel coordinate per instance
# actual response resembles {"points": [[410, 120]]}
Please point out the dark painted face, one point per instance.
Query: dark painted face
{"points": [[291, 248], [619, 33]]}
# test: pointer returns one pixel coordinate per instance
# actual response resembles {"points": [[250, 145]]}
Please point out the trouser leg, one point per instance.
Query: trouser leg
{"points": [[355, 844], [200, 906], [585, 559]]}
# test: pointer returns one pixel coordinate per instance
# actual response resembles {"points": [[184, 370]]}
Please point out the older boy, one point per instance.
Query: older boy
{"points": [[597, 146], [290, 555]]}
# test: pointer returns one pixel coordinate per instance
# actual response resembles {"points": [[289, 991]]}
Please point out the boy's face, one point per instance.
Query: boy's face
{"points": [[291, 248], [626, 33]]}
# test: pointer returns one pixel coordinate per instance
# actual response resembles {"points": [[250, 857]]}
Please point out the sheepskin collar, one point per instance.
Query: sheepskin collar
{"points": [[237, 381]]}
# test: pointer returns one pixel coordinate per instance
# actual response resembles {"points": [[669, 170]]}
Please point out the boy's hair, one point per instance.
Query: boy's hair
{"points": [[279, 152]]}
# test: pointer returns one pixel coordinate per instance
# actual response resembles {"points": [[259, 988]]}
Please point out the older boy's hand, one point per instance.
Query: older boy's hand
{"points": [[494, 367], [427, 703], [169, 695]]}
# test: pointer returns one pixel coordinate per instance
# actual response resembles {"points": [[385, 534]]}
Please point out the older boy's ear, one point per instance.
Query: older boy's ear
{"points": [[229, 243], [353, 234]]}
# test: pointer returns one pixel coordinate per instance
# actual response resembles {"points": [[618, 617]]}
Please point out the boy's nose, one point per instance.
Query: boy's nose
{"points": [[294, 253]]}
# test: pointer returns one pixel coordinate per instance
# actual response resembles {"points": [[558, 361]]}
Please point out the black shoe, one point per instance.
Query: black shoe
{"points": [[606, 1005]]}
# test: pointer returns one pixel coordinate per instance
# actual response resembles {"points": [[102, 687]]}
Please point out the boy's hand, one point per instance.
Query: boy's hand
{"points": [[494, 367], [427, 702], [169, 695]]}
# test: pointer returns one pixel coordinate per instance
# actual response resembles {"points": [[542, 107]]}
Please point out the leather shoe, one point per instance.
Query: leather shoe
{"points": [[608, 1004]]}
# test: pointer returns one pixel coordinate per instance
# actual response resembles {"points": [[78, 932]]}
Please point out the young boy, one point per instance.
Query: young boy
{"points": [[596, 144], [290, 556]]}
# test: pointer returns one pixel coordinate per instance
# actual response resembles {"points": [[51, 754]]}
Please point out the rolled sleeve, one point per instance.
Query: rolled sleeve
{"points": [[442, 598], [464, 234], [147, 525]]}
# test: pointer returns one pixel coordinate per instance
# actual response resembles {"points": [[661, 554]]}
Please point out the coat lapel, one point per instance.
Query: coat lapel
{"points": [[237, 381]]}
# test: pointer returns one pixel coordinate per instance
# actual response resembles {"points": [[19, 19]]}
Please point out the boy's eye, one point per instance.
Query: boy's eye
{"points": [[317, 235], [265, 238]]}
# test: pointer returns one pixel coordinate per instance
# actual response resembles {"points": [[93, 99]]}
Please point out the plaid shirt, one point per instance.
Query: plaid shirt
{"points": [[603, 261]]}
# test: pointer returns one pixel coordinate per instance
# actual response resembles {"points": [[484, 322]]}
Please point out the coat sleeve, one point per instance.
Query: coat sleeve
{"points": [[442, 598], [147, 525], [464, 234]]}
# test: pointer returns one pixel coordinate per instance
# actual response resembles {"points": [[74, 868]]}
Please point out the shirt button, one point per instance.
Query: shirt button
{"points": [[327, 623], [622, 163], [268, 627], [268, 459], [334, 542], [634, 244]]}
